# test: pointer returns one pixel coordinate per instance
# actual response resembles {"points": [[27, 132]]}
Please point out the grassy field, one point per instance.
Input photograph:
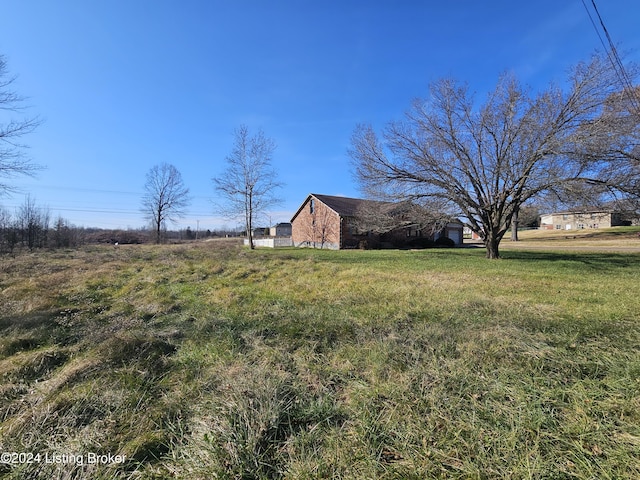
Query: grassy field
{"points": [[212, 361]]}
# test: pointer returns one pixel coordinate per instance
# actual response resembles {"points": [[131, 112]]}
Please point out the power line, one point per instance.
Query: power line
{"points": [[614, 58], [109, 211], [65, 188], [96, 190]]}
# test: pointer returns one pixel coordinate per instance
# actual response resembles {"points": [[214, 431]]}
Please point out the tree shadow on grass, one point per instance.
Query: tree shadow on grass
{"points": [[598, 261]]}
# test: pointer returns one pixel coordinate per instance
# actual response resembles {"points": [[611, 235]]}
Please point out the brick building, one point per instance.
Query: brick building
{"points": [[325, 221]]}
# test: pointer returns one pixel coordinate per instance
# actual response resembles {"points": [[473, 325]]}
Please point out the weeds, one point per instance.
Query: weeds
{"points": [[216, 362]]}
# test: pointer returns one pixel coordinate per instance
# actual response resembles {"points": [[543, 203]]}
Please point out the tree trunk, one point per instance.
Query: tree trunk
{"points": [[514, 226], [492, 244], [158, 223], [248, 218], [250, 236]]}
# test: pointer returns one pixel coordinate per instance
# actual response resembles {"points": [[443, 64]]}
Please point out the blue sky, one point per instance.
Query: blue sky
{"points": [[123, 85]]}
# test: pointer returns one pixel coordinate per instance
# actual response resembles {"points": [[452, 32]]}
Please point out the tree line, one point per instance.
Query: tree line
{"points": [[32, 227]]}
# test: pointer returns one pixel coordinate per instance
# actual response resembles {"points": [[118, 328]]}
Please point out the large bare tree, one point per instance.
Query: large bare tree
{"points": [[486, 161], [165, 198], [249, 183], [13, 126], [382, 217]]}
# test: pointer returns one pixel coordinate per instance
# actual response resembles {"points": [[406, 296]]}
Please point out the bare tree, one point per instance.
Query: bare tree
{"points": [[32, 223], [380, 217], [620, 153], [248, 184], [324, 228], [13, 161], [166, 197], [7, 232], [64, 234], [321, 229], [486, 161]]}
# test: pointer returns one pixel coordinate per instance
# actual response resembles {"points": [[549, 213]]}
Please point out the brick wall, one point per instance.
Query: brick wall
{"points": [[317, 227]]}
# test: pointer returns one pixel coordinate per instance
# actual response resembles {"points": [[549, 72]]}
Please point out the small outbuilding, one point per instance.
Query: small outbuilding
{"points": [[282, 229]]}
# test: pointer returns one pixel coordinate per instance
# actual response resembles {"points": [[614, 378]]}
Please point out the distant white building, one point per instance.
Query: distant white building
{"points": [[580, 219]]}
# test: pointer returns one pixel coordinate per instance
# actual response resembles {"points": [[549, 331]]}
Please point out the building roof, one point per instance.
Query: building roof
{"points": [[343, 206], [582, 211]]}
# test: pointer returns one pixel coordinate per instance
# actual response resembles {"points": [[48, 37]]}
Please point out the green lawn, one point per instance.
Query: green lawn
{"points": [[213, 361]]}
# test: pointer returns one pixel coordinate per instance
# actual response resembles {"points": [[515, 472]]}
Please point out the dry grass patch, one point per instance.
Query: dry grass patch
{"points": [[208, 360]]}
